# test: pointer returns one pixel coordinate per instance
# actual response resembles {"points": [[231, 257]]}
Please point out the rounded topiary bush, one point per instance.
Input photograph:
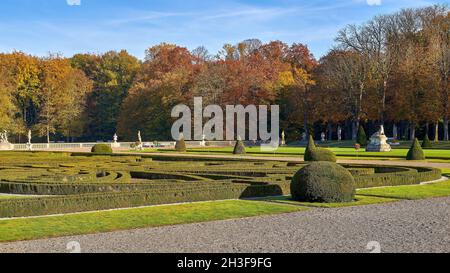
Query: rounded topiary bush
{"points": [[426, 144], [416, 152], [239, 148], [180, 146], [102, 149], [324, 182], [361, 137]]}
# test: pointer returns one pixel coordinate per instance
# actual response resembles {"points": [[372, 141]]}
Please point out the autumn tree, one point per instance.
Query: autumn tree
{"points": [[61, 96], [23, 71], [164, 80], [9, 118]]}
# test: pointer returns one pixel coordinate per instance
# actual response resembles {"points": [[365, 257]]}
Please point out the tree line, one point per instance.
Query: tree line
{"points": [[392, 70]]}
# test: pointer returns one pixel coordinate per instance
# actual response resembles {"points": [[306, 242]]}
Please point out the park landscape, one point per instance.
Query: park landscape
{"points": [[363, 156]]}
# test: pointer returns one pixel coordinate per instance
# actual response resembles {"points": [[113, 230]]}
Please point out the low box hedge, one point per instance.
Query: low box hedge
{"points": [[112, 200]]}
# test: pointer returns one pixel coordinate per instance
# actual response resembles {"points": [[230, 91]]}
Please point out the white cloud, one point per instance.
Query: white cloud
{"points": [[73, 2], [373, 2]]}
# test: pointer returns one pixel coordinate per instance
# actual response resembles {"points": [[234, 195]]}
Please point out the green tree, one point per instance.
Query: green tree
{"points": [[113, 74]]}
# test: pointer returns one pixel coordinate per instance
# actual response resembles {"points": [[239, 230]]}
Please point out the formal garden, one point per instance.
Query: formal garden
{"points": [[47, 194]]}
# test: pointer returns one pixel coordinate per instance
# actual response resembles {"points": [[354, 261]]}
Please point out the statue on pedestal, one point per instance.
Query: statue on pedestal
{"points": [[29, 145], [140, 145], [283, 138], [203, 143], [115, 144], [378, 142]]}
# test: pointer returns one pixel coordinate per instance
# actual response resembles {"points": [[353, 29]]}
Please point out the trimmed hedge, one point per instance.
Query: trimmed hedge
{"points": [[309, 149], [323, 182], [361, 138], [314, 153], [401, 176], [426, 144], [88, 182], [320, 154], [102, 149], [239, 148], [103, 201], [180, 146], [415, 152]]}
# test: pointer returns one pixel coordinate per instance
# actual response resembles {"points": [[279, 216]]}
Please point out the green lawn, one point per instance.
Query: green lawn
{"points": [[299, 151], [105, 221]]}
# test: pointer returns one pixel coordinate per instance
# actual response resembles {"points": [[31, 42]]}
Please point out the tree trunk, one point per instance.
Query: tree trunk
{"points": [[436, 132], [395, 132], [427, 129], [355, 130], [412, 131], [48, 135], [383, 103], [446, 136], [330, 131]]}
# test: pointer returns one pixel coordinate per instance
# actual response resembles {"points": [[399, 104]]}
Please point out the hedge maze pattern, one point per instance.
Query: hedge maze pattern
{"points": [[53, 183]]}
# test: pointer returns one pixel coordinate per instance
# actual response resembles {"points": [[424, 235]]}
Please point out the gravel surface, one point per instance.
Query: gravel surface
{"points": [[407, 226]]}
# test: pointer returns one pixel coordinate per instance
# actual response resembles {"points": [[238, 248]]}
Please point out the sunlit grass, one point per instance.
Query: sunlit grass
{"points": [[105, 221], [350, 153]]}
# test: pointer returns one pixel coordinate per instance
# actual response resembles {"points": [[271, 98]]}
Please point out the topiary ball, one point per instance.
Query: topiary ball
{"points": [[426, 144], [324, 182], [102, 149], [416, 152], [239, 148]]}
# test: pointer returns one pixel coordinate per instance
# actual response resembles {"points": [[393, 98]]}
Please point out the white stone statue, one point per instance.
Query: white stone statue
{"points": [[378, 142], [115, 144], [283, 138], [4, 137], [4, 143], [339, 133], [203, 143], [140, 145], [29, 145], [323, 137]]}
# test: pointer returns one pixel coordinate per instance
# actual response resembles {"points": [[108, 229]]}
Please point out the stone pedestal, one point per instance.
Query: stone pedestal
{"points": [[6, 147], [115, 145], [378, 142]]}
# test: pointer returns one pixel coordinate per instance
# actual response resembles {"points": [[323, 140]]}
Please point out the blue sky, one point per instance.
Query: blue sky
{"points": [[72, 26]]}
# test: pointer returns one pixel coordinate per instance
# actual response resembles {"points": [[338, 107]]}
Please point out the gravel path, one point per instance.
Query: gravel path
{"points": [[407, 226]]}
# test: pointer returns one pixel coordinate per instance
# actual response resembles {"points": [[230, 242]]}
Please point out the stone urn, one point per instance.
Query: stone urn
{"points": [[378, 142]]}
